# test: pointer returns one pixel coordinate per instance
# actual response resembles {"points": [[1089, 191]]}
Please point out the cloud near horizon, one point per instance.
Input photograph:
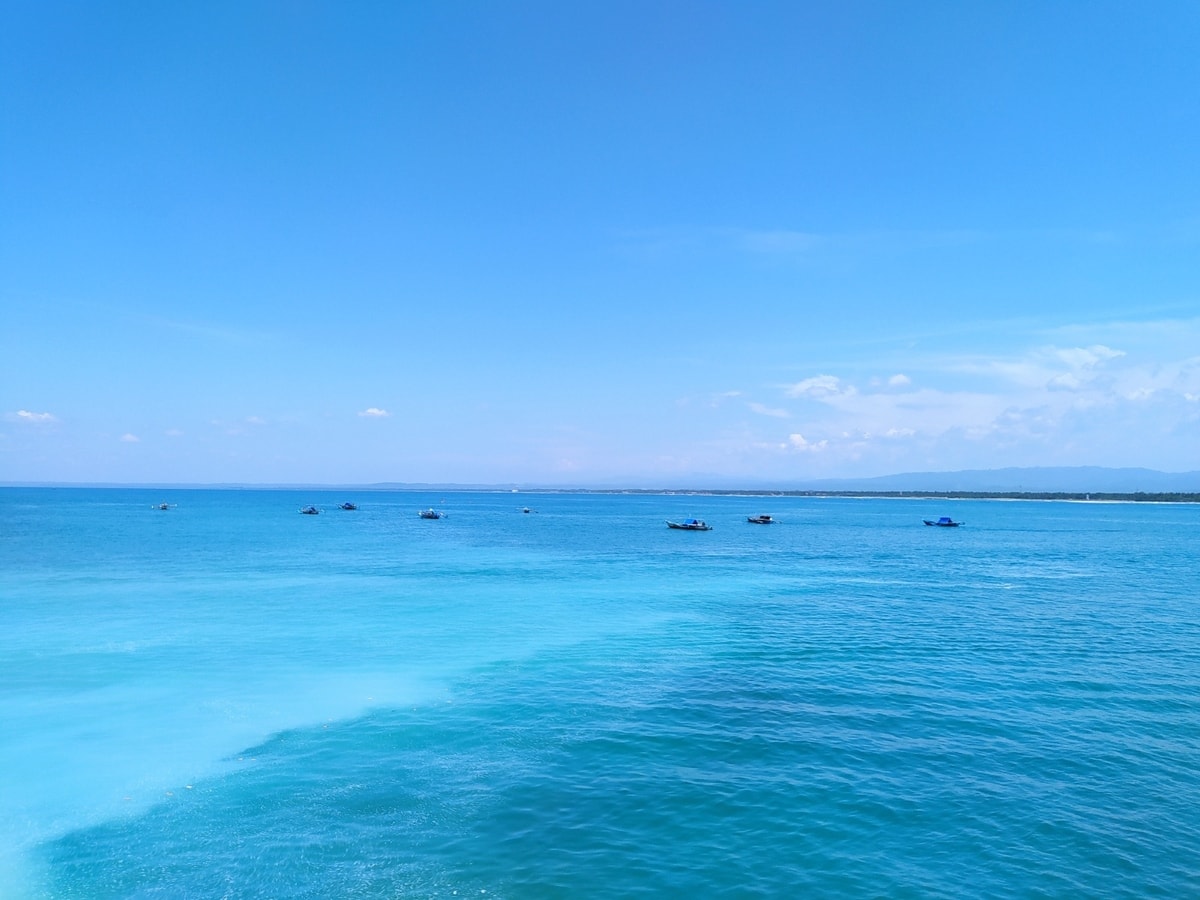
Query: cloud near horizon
{"points": [[1082, 402], [798, 442], [374, 412]]}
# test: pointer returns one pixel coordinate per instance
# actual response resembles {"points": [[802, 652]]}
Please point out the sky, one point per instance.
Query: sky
{"points": [[621, 243]]}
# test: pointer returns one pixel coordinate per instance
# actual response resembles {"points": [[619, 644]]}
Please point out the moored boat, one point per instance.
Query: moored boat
{"points": [[943, 522], [760, 520], [309, 511], [347, 505], [430, 513], [690, 525]]}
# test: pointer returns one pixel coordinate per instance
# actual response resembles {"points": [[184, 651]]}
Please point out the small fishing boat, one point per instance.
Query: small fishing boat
{"points": [[430, 513], [309, 511], [164, 506], [943, 522], [690, 525], [760, 520], [347, 506]]}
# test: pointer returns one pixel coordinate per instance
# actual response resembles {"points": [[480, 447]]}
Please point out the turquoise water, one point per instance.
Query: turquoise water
{"points": [[229, 699]]}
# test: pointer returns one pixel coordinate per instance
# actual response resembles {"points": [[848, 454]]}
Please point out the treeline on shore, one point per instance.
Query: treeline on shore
{"points": [[1096, 496], [1138, 497]]}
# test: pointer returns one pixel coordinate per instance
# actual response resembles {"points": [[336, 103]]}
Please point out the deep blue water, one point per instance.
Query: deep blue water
{"points": [[229, 699]]}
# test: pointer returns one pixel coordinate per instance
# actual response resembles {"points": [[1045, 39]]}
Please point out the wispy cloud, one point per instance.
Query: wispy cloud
{"points": [[779, 242], [374, 412], [207, 331], [130, 439], [768, 411], [820, 387], [804, 244], [24, 415]]}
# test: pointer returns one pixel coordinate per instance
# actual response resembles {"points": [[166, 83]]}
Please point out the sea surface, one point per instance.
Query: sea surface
{"points": [[229, 699]]}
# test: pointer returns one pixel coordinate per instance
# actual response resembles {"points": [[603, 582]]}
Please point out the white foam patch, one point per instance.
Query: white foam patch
{"points": [[115, 752]]}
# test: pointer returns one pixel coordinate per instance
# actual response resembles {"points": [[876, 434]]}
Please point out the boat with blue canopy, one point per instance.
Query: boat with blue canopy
{"points": [[943, 522]]}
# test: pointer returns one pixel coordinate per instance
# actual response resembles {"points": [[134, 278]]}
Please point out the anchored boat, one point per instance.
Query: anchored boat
{"points": [[943, 522]]}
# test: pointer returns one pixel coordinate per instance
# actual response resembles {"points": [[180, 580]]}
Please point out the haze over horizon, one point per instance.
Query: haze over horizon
{"points": [[596, 243]]}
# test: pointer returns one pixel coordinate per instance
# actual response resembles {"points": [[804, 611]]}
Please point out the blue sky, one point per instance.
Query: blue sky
{"points": [[596, 243]]}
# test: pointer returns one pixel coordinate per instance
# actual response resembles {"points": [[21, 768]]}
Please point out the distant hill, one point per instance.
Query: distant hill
{"points": [[1075, 479]]}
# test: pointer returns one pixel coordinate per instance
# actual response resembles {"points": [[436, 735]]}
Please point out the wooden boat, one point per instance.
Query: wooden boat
{"points": [[690, 525], [943, 522], [760, 520]]}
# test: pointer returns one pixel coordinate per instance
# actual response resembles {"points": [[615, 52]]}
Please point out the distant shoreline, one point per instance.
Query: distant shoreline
{"points": [[1075, 496], [1069, 496]]}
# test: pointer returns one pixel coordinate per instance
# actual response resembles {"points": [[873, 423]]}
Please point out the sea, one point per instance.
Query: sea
{"points": [[553, 695]]}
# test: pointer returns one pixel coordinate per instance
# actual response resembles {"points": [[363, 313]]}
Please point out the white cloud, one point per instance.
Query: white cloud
{"points": [[1072, 403], [374, 412], [1066, 398], [130, 438], [1067, 381], [768, 411], [1087, 357], [819, 387], [1054, 368], [798, 442], [24, 415]]}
